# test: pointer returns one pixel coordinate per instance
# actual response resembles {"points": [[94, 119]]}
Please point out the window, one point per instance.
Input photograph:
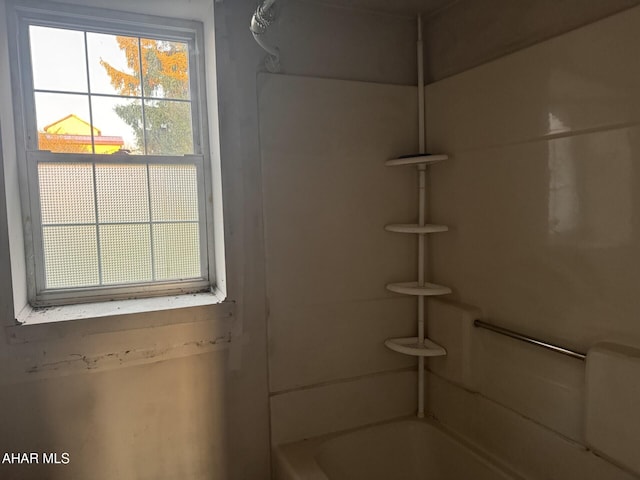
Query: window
{"points": [[113, 154]]}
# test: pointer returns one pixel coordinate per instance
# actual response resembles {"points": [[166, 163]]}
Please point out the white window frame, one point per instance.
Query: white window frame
{"points": [[21, 16]]}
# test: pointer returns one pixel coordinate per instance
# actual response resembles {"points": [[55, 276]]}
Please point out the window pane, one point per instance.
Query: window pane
{"points": [[66, 193], [58, 59], [125, 251], [118, 125], [165, 69], [63, 122], [114, 64], [174, 192], [168, 127], [122, 193], [70, 256], [176, 250]]}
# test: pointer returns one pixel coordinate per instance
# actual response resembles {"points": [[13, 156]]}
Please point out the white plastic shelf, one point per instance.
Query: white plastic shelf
{"points": [[415, 228], [410, 346], [412, 288], [415, 160]]}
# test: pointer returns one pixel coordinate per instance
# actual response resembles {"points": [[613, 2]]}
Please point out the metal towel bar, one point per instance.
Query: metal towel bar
{"points": [[534, 341]]}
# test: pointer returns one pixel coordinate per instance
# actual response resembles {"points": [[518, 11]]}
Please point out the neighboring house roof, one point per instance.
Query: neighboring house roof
{"points": [[86, 139], [75, 130], [71, 124]]}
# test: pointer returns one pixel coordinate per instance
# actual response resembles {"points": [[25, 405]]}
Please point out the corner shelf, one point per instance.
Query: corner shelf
{"points": [[415, 228], [413, 288], [411, 346], [420, 159], [419, 346]]}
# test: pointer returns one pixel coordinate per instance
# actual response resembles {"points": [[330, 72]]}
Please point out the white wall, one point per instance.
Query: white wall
{"points": [[321, 41], [540, 193]]}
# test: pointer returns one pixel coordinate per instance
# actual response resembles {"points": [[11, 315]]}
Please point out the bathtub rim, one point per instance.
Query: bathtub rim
{"points": [[291, 457]]}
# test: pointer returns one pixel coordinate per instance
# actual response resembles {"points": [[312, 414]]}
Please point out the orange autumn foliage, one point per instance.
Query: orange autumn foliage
{"points": [[164, 65], [159, 69]]}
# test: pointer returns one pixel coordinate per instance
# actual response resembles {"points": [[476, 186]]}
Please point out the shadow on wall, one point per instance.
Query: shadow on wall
{"points": [[164, 420], [28, 444]]}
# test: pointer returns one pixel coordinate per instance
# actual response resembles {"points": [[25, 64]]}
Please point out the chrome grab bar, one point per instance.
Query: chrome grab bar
{"points": [[524, 338]]}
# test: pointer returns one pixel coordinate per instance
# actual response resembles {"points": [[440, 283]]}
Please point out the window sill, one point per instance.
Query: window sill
{"points": [[51, 323]]}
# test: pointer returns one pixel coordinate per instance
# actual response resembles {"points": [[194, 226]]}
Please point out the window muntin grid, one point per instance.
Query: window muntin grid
{"points": [[138, 102]]}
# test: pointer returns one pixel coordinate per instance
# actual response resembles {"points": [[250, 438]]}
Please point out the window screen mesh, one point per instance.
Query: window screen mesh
{"points": [[175, 247], [123, 193], [171, 187], [125, 251], [70, 256], [147, 226], [66, 193]]}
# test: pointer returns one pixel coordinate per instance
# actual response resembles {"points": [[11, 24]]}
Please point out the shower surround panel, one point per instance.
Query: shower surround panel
{"points": [[327, 196], [545, 233]]}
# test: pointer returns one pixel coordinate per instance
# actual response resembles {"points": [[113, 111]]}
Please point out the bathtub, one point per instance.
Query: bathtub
{"points": [[408, 449]]}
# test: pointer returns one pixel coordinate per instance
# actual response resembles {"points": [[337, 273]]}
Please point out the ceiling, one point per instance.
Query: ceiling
{"points": [[404, 7]]}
